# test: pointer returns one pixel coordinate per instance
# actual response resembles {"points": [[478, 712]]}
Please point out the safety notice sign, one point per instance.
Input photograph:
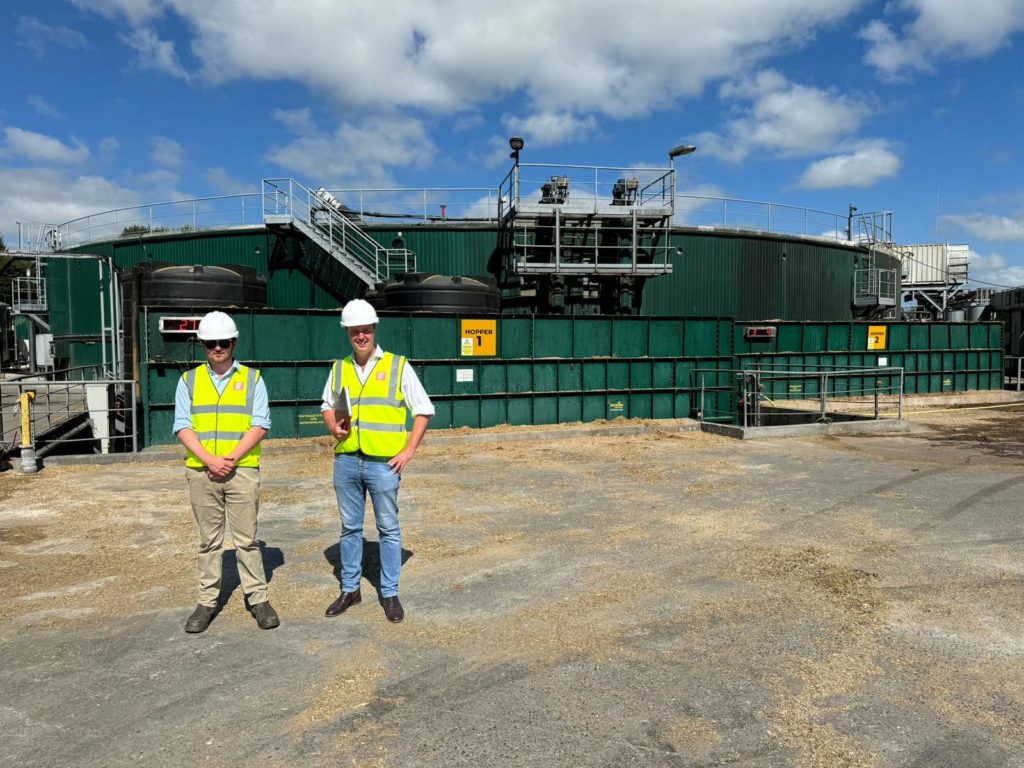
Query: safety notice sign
{"points": [[479, 338], [876, 336]]}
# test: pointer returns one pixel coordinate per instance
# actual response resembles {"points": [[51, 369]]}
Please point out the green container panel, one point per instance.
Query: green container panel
{"points": [[551, 339], [898, 336], [592, 337], [515, 338], [630, 337], [959, 336], [570, 377], [570, 408], [919, 337], [666, 338], [618, 376]]}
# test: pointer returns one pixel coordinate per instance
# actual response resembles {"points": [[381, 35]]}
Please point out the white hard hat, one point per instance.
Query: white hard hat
{"points": [[358, 312], [216, 325]]}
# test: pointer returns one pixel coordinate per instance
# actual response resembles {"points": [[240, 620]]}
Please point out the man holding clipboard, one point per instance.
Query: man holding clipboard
{"points": [[365, 404]]}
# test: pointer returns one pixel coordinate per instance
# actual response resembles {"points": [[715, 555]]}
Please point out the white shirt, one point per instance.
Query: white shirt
{"points": [[416, 399]]}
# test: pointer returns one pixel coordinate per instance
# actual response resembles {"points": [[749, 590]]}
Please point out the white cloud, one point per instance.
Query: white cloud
{"points": [[33, 34], [994, 269], [298, 121], [43, 107], [785, 119], [941, 29], [154, 53], [357, 154], [547, 128], [109, 145], [449, 55], [55, 196], [989, 226], [135, 11], [864, 166], [225, 184], [37, 147], [167, 153], [467, 122]]}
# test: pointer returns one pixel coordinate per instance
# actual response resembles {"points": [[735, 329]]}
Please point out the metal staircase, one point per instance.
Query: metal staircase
{"points": [[332, 227], [875, 289]]}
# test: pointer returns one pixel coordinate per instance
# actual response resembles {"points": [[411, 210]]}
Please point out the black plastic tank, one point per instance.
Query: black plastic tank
{"points": [[222, 286], [428, 292]]}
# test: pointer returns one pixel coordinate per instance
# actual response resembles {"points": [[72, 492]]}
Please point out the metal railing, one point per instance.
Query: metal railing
{"points": [[415, 205], [759, 216], [875, 284], [70, 406], [787, 394], [584, 189], [484, 204], [29, 294], [199, 213]]}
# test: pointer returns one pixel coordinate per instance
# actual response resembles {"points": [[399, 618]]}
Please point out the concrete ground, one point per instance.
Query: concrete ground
{"points": [[659, 599]]}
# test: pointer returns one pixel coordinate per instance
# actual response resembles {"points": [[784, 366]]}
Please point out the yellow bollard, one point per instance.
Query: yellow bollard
{"points": [[28, 453]]}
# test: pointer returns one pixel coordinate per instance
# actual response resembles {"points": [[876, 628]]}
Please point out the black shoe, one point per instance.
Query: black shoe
{"points": [[200, 619], [265, 615], [343, 603], [393, 609]]}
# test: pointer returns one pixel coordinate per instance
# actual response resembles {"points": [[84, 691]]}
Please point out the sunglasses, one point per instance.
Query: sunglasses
{"points": [[212, 344]]}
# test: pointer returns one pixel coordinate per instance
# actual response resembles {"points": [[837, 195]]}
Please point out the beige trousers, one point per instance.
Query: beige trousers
{"points": [[234, 502]]}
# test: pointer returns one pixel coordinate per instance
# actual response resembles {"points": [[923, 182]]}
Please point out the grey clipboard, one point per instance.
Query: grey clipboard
{"points": [[342, 405]]}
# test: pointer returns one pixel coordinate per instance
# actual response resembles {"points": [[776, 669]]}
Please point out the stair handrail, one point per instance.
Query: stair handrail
{"points": [[321, 213]]}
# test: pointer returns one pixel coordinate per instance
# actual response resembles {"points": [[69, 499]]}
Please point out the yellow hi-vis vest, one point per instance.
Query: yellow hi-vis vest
{"points": [[220, 421], [378, 407]]}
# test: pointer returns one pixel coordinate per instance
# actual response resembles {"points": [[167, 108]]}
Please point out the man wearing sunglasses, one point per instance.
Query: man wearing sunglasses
{"points": [[372, 449], [221, 413]]}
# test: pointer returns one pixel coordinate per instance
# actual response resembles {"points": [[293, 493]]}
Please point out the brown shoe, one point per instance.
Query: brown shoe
{"points": [[343, 603], [393, 609], [265, 615], [200, 619]]}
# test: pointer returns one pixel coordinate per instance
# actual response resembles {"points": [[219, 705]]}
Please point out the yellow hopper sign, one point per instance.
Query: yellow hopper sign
{"points": [[479, 338], [876, 336]]}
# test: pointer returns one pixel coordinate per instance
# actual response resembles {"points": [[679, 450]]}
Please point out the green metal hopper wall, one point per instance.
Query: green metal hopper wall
{"points": [[552, 370]]}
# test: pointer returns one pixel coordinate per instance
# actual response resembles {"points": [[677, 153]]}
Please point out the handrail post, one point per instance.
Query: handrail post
{"points": [[824, 394], [28, 453], [899, 407], [700, 414]]}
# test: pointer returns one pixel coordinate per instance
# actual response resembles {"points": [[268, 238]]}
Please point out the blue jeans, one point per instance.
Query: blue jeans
{"points": [[353, 477]]}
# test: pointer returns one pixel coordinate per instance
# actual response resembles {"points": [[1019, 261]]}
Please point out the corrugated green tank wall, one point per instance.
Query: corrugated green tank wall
{"points": [[734, 274]]}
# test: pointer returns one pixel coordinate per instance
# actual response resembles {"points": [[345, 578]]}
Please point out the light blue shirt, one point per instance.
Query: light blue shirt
{"points": [[183, 404]]}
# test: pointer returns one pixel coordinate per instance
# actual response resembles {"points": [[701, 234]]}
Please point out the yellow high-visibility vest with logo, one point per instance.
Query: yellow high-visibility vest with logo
{"points": [[378, 406], [220, 420]]}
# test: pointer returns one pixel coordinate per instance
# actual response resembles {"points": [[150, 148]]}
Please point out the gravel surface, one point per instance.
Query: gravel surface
{"points": [[660, 599]]}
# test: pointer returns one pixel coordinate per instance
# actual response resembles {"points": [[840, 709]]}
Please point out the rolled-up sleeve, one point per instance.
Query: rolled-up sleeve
{"points": [[182, 408], [260, 405], [327, 397], [416, 398]]}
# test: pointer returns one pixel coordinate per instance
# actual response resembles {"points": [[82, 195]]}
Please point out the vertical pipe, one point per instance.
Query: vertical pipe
{"points": [[700, 414], [103, 318], [824, 393], [558, 238], [899, 408], [135, 427]]}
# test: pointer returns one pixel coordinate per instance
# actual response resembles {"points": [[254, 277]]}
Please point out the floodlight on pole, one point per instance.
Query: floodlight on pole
{"points": [[517, 143], [682, 149]]}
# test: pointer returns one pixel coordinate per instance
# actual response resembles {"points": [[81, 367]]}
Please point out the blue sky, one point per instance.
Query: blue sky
{"points": [[912, 106]]}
